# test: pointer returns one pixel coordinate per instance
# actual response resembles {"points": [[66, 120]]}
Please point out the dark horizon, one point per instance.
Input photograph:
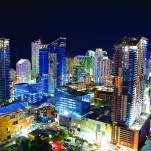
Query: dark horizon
{"points": [[86, 25]]}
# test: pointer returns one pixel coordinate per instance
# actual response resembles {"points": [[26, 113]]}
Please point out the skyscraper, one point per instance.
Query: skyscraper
{"points": [[43, 67], [58, 47], [99, 61], [4, 70], [43, 60], [35, 46], [69, 69], [13, 76], [52, 65], [148, 66], [104, 70], [78, 69], [128, 81], [130, 125], [52, 73], [23, 70]]}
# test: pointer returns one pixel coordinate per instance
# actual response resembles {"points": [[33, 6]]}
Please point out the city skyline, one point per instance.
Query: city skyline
{"points": [[82, 78], [108, 100], [86, 25]]}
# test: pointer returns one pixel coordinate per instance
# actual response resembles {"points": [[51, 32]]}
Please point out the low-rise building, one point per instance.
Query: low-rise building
{"points": [[135, 135], [29, 93], [78, 86], [72, 103], [96, 127], [45, 114], [103, 96], [14, 121]]}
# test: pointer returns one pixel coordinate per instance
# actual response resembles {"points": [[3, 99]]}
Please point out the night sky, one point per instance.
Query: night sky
{"points": [[86, 24]]}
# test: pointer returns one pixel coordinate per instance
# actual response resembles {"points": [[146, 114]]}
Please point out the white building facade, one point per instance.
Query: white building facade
{"points": [[101, 66], [23, 70]]}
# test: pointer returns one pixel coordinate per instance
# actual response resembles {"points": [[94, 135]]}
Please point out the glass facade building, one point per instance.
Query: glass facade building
{"points": [[4, 70], [28, 93], [52, 73], [148, 66], [52, 65], [77, 73], [35, 46], [69, 69], [43, 68], [43, 61], [58, 47], [72, 103], [129, 80], [101, 67]]}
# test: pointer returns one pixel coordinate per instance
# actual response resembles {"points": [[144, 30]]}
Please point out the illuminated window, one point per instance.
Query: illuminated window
{"points": [[15, 123], [8, 129]]}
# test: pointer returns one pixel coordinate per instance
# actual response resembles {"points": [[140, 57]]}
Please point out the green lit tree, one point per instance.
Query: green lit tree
{"points": [[24, 144], [39, 144], [63, 133]]}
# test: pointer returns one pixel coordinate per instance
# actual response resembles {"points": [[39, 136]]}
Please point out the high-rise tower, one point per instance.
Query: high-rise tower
{"points": [[4, 70], [52, 73], [98, 66], [129, 78], [58, 47], [35, 46], [23, 70], [52, 65], [43, 67]]}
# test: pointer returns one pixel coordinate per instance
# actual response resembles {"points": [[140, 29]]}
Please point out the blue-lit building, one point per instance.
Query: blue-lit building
{"points": [[52, 76], [58, 47], [148, 66], [52, 65], [28, 93], [43, 68], [72, 103], [129, 81], [4, 70], [43, 60]]}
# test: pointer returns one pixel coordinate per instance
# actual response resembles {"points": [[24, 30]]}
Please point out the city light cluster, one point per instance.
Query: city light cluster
{"points": [[102, 101]]}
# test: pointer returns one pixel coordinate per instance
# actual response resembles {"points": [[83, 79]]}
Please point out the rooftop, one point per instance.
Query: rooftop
{"points": [[128, 41], [22, 60], [21, 84], [104, 92], [36, 132], [102, 114], [71, 91], [11, 108], [41, 131], [147, 145], [139, 122], [19, 139]]}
